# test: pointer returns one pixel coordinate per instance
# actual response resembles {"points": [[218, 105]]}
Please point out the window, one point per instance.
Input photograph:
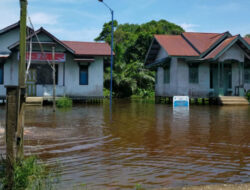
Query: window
{"points": [[1, 73], [193, 73], [156, 77], [44, 74], [247, 73], [84, 75], [166, 75]]}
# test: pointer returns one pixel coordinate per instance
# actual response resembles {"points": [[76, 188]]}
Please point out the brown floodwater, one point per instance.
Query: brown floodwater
{"points": [[144, 143]]}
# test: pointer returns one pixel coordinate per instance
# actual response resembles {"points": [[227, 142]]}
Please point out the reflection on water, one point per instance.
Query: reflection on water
{"points": [[147, 144]]}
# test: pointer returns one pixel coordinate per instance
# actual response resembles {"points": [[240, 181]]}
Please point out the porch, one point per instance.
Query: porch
{"points": [[228, 78]]}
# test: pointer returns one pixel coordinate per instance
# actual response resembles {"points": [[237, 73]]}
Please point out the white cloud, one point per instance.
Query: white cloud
{"points": [[188, 27], [86, 34], [41, 18], [9, 13]]}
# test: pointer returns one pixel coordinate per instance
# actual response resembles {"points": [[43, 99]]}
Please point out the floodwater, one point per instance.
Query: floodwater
{"points": [[147, 144]]}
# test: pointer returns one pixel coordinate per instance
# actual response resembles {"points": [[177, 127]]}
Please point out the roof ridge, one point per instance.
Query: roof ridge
{"points": [[190, 43], [84, 42], [204, 32], [231, 38], [9, 27]]}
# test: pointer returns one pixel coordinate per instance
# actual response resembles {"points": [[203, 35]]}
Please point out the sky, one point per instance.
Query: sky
{"points": [[82, 20]]}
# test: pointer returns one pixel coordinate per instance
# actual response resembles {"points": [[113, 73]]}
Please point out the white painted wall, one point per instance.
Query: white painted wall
{"points": [[235, 52], [95, 86], [71, 88], [179, 75], [179, 80]]}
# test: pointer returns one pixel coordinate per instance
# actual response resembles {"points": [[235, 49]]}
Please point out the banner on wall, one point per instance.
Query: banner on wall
{"points": [[39, 56]]}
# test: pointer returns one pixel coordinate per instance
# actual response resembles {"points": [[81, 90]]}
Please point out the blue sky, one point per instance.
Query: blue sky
{"points": [[83, 19]]}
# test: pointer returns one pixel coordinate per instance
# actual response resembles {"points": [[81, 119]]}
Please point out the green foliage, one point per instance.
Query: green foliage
{"points": [[247, 35], [145, 93], [131, 43], [248, 95], [28, 174], [64, 102], [139, 187]]}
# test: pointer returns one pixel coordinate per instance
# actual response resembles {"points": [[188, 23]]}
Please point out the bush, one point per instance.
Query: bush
{"points": [[64, 102], [145, 93], [28, 174], [248, 94]]}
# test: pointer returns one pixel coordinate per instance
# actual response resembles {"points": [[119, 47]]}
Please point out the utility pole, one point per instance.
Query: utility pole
{"points": [[15, 107], [54, 79], [112, 56], [22, 87]]}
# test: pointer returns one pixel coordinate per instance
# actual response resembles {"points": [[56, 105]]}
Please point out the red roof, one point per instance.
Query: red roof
{"points": [[218, 49], [202, 41], [175, 45], [89, 48], [248, 40]]}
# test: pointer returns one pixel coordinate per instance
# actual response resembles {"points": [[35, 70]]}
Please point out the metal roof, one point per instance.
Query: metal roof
{"points": [[247, 40], [89, 48], [220, 47], [202, 41], [195, 46], [175, 45]]}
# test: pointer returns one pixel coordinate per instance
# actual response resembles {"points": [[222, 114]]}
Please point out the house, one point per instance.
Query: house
{"points": [[200, 65], [79, 65]]}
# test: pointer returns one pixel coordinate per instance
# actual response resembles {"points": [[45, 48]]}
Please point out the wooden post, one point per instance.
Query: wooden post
{"points": [[11, 125], [21, 81], [54, 79]]}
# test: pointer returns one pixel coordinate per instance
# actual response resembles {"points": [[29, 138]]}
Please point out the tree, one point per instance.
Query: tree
{"points": [[131, 45], [247, 35]]}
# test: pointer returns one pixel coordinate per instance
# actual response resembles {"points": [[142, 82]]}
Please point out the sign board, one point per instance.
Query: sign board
{"points": [[181, 101], [39, 56]]}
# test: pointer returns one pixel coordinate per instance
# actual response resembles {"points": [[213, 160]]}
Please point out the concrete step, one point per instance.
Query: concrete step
{"points": [[34, 101], [233, 100]]}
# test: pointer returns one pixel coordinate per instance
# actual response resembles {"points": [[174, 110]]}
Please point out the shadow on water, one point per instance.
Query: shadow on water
{"points": [[144, 143]]}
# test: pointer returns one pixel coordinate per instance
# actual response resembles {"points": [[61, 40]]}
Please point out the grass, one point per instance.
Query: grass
{"points": [[29, 174], [64, 102]]}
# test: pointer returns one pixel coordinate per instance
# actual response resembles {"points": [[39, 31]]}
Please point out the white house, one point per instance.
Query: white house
{"points": [[79, 65], [200, 64]]}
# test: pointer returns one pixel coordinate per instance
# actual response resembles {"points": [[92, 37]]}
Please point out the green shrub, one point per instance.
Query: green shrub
{"points": [[28, 174], [64, 102], [106, 93], [145, 93], [248, 94]]}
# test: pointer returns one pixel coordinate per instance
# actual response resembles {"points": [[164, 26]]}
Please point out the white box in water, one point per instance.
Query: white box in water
{"points": [[181, 101]]}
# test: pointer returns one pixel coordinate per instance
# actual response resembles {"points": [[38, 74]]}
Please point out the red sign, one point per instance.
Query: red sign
{"points": [[39, 56]]}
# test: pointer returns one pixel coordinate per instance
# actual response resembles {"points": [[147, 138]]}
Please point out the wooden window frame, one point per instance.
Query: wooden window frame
{"points": [[247, 72], [2, 77], [87, 69], [190, 67], [166, 74]]}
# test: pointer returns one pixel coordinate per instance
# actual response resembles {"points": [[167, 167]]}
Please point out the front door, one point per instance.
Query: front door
{"points": [[31, 83], [221, 79], [227, 79]]}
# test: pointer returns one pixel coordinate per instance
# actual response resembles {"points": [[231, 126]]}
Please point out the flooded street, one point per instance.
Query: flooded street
{"points": [[146, 144]]}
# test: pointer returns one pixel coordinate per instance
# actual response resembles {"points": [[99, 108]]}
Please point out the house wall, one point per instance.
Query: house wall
{"points": [[235, 53], [8, 39], [179, 80], [68, 72], [179, 75], [71, 87], [95, 82], [10, 73]]}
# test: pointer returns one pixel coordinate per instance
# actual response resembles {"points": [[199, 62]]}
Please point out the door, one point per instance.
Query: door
{"points": [[31, 83], [227, 79]]}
